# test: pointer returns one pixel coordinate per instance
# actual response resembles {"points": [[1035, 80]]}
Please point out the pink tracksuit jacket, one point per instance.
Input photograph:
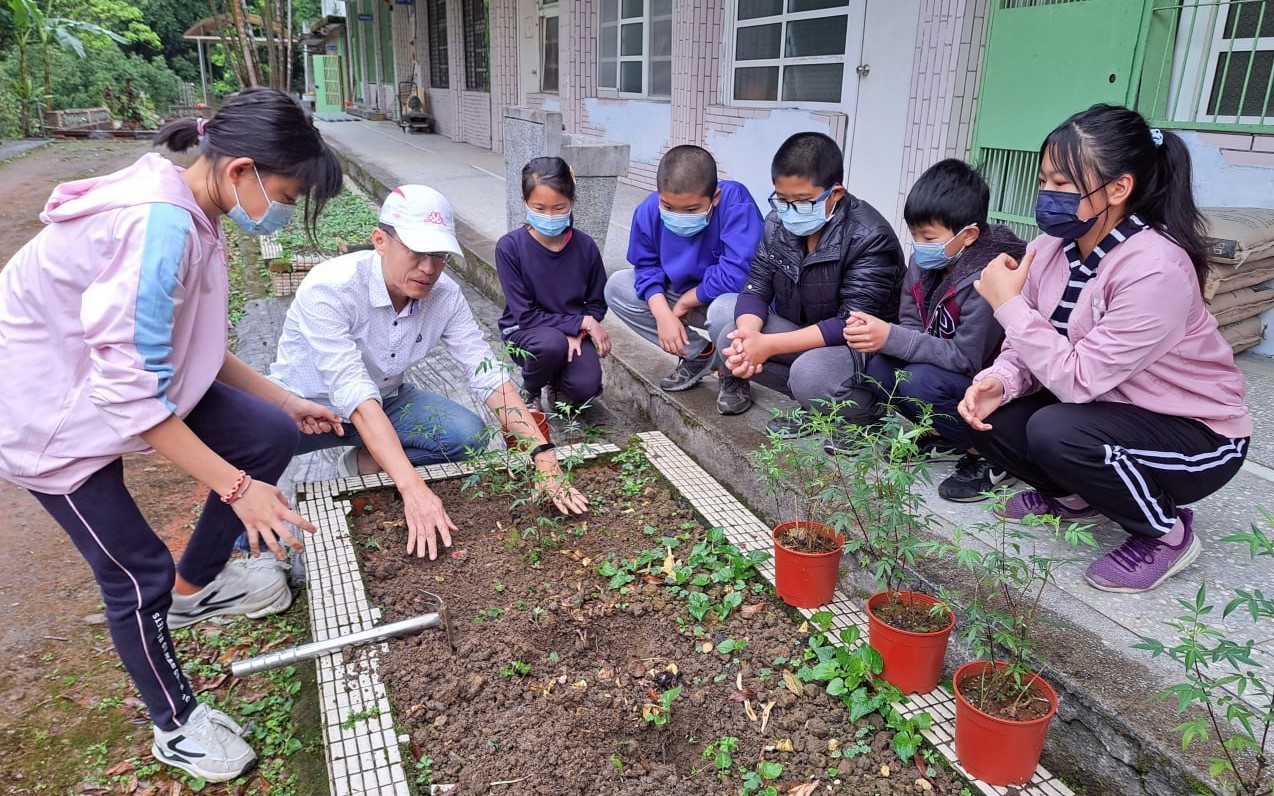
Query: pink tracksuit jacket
{"points": [[1140, 334], [112, 319]]}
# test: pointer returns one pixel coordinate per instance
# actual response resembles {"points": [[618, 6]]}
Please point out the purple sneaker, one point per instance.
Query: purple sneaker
{"points": [[1030, 502], [1141, 564]]}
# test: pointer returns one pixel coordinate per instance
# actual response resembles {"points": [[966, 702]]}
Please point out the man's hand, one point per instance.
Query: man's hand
{"points": [[1003, 279], [311, 418], [551, 483], [687, 302], [266, 514], [427, 521], [865, 333], [981, 399]]}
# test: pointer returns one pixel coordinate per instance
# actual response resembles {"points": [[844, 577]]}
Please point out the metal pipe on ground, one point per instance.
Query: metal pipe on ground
{"points": [[305, 652]]}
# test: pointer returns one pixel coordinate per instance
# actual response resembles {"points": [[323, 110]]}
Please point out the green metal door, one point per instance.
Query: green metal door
{"points": [[328, 94], [1046, 59]]}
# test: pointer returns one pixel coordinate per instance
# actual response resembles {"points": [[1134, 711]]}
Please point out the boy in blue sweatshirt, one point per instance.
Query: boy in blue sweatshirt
{"points": [[690, 246]]}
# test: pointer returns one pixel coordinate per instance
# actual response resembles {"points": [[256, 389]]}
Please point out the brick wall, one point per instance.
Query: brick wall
{"points": [[1242, 149], [950, 41], [696, 67], [577, 64], [406, 58]]}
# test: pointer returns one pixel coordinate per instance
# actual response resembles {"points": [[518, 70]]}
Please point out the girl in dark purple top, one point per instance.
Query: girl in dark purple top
{"points": [[553, 279]]}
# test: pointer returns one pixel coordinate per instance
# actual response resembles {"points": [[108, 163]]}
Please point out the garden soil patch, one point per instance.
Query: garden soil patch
{"points": [[545, 691], [1005, 701], [914, 618]]}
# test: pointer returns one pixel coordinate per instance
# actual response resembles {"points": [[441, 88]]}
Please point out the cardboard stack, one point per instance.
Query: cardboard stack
{"points": [[1241, 263]]}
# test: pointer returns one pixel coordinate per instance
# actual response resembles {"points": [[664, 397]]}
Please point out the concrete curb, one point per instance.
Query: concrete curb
{"points": [[1109, 736]]}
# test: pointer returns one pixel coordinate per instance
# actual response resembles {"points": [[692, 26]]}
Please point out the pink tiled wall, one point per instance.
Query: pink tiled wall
{"points": [[475, 118], [1242, 149], [504, 65]]}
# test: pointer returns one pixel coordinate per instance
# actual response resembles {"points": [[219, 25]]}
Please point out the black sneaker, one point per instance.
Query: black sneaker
{"points": [[972, 479], [937, 449], [532, 401], [689, 372], [790, 425], [734, 395]]}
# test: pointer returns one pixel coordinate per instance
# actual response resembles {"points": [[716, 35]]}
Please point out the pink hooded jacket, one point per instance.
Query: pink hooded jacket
{"points": [[112, 319], [1140, 334]]}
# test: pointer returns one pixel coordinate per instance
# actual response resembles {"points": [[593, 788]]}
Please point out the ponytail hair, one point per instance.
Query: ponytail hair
{"points": [[552, 172], [275, 131], [1101, 144]]}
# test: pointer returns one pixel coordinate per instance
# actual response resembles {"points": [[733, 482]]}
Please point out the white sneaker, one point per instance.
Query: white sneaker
{"points": [[206, 746], [253, 587]]}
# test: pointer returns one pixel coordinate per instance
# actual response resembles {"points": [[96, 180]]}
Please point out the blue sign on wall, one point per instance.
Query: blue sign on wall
{"points": [[403, 2], [364, 17]]}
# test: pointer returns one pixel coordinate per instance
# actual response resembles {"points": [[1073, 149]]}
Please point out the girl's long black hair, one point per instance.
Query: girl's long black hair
{"points": [[1107, 141], [550, 171], [275, 131]]}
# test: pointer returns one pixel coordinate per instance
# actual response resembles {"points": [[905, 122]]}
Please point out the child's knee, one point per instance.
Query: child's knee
{"points": [[721, 312]]}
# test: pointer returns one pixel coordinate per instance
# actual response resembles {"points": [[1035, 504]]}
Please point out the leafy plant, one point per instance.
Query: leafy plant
{"points": [[721, 753], [1234, 691], [1008, 582], [358, 717], [754, 782], [516, 669], [659, 713]]}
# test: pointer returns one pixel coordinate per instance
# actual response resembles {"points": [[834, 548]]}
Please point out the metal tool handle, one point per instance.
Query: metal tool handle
{"points": [[305, 652]]}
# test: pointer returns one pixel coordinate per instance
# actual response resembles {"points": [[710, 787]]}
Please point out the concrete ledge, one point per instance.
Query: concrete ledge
{"points": [[1109, 735]]}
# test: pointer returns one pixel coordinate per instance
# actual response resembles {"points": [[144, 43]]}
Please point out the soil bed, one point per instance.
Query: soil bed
{"points": [[803, 540], [555, 664]]}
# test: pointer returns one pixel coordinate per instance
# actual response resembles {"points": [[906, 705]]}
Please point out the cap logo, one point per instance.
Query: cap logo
{"points": [[436, 218]]}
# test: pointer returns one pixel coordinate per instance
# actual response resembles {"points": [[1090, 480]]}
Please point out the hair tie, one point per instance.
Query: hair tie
{"points": [[201, 124], [1156, 135]]}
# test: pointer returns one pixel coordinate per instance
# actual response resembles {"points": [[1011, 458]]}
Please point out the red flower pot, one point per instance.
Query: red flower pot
{"points": [[995, 750], [806, 580], [541, 422], [913, 660]]}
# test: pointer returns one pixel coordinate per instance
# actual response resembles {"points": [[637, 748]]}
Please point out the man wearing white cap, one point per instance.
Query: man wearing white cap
{"points": [[359, 322]]}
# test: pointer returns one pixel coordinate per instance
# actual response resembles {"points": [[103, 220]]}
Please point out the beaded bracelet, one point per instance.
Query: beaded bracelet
{"points": [[241, 482]]}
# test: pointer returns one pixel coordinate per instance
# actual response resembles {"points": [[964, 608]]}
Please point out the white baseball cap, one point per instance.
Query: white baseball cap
{"points": [[422, 218]]}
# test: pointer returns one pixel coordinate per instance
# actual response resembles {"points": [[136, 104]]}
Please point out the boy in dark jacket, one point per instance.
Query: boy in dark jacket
{"points": [[824, 254], [946, 332]]}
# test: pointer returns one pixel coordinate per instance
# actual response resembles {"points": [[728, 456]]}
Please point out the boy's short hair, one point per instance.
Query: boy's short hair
{"points": [[687, 169], [950, 193], [814, 156]]}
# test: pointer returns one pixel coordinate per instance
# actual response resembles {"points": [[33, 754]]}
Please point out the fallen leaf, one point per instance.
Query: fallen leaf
{"points": [[784, 745], [636, 670], [792, 683], [804, 789], [580, 684], [671, 669], [832, 744], [670, 564], [747, 708], [765, 714], [212, 684], [119, 768], [742, 696], [707, 646], [459, 555], [738, 681], [804, 628], [752, 610], [232, 653]]}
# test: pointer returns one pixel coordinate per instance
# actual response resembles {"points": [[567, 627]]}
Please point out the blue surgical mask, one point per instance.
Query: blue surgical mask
{"points": [[276, 216], [1057, 214], [684, 224], [933, 256], [805, 224], [548, 224]]}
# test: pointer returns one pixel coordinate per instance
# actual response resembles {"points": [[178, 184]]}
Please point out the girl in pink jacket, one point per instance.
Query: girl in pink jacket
{"points": [[1114, 395], [113, 327]]}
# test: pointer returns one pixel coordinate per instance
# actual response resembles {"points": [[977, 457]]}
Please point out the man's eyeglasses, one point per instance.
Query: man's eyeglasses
{"points": [[442, 259], [801, 207]]}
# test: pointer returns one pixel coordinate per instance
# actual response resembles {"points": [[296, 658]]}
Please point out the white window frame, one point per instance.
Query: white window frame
{"points": [[549, 9], [1197, 59], [647, 20], [848, 75]]}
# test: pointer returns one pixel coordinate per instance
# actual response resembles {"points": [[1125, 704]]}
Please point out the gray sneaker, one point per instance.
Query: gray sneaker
{"points": [[790, 425], [689, 371], [207, 746], [734, 395], [252, 587]]}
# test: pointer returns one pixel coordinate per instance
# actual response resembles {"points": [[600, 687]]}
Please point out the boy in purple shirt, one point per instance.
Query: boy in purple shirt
{"points": [[690, 247]]}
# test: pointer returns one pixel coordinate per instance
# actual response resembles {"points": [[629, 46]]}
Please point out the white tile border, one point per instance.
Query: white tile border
{"points": [[367, 759]]}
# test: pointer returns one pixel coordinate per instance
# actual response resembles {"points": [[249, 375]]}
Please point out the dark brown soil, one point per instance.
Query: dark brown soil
{"points": [[804, 540], [1001, 697], [545, 691], [913, 617]]}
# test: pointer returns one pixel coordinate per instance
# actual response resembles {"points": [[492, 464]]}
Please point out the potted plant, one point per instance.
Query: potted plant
{"points": [[881, 513], [1003, 705], [807, 552]]}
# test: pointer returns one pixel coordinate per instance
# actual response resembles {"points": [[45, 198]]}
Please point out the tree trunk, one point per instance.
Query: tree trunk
{"points": [[247, 46], [270, 31], [24, 84]]}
